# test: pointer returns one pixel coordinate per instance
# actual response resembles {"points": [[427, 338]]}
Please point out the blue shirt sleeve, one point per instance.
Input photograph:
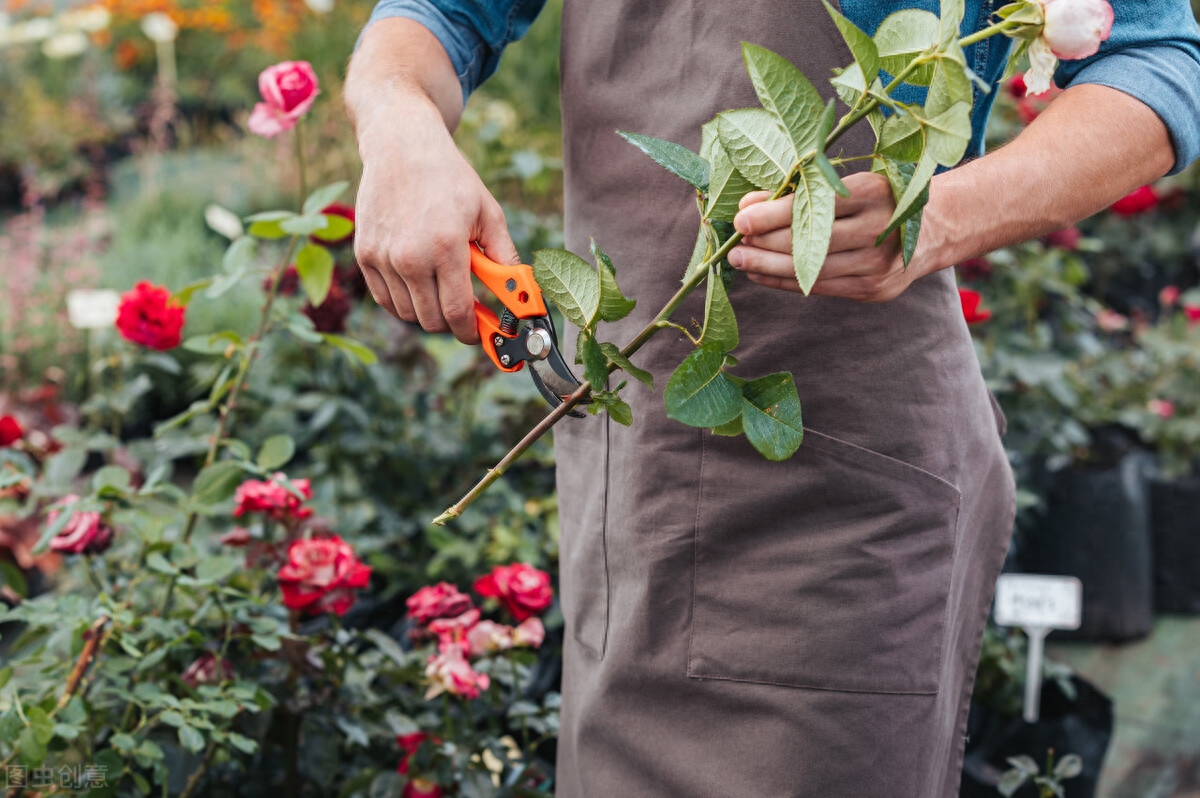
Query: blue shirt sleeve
{"points": [[1152, 54], [473, 32]]}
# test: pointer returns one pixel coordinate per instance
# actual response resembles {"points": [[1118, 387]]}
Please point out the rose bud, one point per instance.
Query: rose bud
{"points": [[147, 316], [288, 90]]}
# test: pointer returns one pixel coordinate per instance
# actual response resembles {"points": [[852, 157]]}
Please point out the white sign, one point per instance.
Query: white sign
{"points": [[1040, 602]]}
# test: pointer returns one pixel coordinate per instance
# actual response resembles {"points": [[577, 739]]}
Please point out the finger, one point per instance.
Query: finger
{"points": [[379, 289], [772, 281], [860, 289], [763, 217], [493, 238], [753, 197], [777, 240], [866, 190], [422, 289], [457, 300], [762, 261], [859, 232]]}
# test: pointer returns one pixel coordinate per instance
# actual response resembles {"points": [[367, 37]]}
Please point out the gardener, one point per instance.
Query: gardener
{"points": [[737, 627]]}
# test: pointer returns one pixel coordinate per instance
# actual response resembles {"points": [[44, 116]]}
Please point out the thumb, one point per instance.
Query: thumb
{"points": [[493, 238]]}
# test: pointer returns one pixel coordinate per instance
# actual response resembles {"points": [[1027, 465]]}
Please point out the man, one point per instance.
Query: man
{"points": [[734, 626]]}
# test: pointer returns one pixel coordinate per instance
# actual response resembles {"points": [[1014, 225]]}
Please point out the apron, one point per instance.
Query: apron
{"points": [[736, 627]]}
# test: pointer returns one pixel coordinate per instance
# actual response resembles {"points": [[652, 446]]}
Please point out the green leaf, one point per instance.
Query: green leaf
{"points": [[789, 97], [862, 46], [268, 225], [849, 84], [699, 394], [336, 228], [904, 35], [111, 477], [322, 197], [624, 364], [616, 407], [1010, 782], [951, 20], [352, 348], [215, 569], [243, 743], [214, 344], [915, 193], [1068, 767], [314, 264], [570, 283], [727, 188], [184, 295], [676, 159], [771, 416], [595, 365], [902, 138], [239, 257], [831, 175], [731, 429], [191, 739], [948, 134], [614, 305], [33, 751], [217, 482], [14, 579], [305, 225], [812, 225], [1025, 764], [158, 563], [271, 216], [757, 145], [951, 85], [60, 523], [275, 453], [899, 175], [720, 323]]}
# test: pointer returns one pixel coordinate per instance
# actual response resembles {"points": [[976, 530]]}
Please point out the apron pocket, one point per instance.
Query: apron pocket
{"points": [[829, 571]]}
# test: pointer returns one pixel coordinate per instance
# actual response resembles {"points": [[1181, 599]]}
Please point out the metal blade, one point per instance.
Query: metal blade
{"points": [[553, 378]]}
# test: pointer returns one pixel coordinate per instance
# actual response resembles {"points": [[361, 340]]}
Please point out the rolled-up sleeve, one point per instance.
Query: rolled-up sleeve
{"points": [[473, 33], [1152, 54]]}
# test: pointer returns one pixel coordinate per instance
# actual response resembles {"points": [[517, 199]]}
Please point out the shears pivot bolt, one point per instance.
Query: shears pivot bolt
{"points": [[505, 359], [538, 343]]}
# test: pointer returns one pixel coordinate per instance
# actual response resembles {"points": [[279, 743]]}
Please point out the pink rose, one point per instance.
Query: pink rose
{"points": [[1168, 296], [522, 589], [1067, 238], [321, 575], [449, 672], [442, 600], [421, 788], [85, 533], [1075, 28], [237, 537], [207, 669], [488, 637], [272, 498], [1161, 408], [289, 90], [454, 631], [530, 633]]}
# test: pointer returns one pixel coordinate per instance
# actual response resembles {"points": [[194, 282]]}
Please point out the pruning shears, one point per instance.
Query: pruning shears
{"points": [[509, 343]]}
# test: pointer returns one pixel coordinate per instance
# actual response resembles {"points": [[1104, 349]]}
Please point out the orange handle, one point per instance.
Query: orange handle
{"points": [[514, 285], [489, 328]]}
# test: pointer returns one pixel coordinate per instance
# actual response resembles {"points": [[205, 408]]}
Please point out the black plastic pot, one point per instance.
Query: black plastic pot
{"points": [[1082, 725], [1175, 514], [1097, 527]]}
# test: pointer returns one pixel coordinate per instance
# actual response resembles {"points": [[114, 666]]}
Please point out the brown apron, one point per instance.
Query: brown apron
{"points": [[737, 627]]}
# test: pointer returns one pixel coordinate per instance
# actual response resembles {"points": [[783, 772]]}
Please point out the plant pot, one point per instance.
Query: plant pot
{"points": [[1175, 519], [1097, 528], [1082, 725]]}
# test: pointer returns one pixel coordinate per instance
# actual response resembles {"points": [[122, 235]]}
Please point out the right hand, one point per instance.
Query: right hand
{"points": [[419, 207]]}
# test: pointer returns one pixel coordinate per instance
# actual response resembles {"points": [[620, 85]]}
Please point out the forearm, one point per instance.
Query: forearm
{"points": [[400, 65], [1092, 146]]}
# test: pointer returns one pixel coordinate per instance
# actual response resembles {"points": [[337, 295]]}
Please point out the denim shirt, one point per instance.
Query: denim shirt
{"points": [[1152, 54]]}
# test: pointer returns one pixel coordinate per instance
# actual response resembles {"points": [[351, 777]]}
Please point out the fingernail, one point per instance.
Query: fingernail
{"points": [[735, 257]]}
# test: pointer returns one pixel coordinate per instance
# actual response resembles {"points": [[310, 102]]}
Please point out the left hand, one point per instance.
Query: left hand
{"points": [[854, 268]]}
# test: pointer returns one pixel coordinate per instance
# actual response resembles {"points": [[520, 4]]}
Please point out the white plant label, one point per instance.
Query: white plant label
{"points": [[1046, 602]]}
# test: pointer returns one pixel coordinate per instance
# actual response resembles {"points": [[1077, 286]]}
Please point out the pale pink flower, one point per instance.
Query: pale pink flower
{"points": [[1161, 408], [488, 637], [1111, 321], [1075, 28], [454, 631], [288, 90], [85, 533], [449, 672], [530, 633], [1168, 296]]}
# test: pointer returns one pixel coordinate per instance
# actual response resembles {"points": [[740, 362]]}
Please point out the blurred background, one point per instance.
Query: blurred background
{"points": [[118, 132]]}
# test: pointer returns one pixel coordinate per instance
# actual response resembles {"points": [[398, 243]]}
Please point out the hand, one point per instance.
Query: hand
{"points": [[420, 205], [854, 269]]}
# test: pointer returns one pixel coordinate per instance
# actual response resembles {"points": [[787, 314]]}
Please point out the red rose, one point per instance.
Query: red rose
{"points": [[442, 600], [10, 431], [288, 90], [1016, 87], [971, 301], [1192, 312], [85, 533], [330, 316], [344, 211], [409, 743], [148, 317], [207, 669], [289, 282], [272, 498], [321, 575], [1136, 202], [522, 589], [1067, 238], [420, 788]]}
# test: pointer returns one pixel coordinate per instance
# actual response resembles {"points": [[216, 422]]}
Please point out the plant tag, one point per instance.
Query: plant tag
{"points": [[1047, 602], [1037, 604]]}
